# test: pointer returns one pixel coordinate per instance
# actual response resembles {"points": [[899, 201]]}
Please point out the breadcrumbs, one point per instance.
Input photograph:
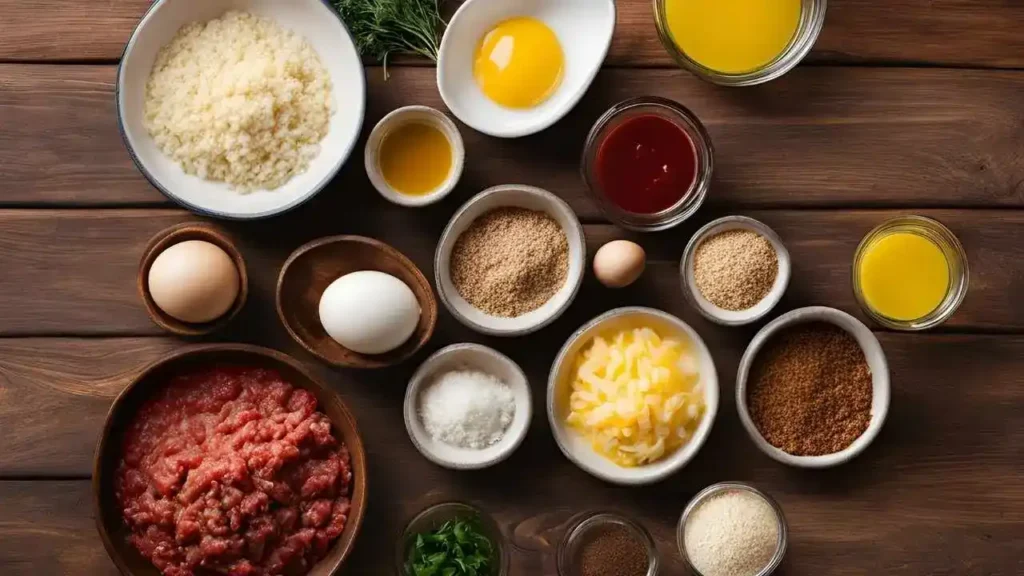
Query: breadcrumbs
{"points": [[510, 261], [735, 269]]}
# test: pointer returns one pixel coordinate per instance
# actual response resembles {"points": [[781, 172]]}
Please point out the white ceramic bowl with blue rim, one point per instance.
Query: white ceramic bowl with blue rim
{"points": [[584, 29], [880, 389], [480, 359], [519, 196], [577, 448], [322, 28]]}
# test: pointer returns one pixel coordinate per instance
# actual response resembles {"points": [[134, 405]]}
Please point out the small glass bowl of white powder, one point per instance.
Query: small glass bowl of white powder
{"points": [[468, 407], [732, 529]]}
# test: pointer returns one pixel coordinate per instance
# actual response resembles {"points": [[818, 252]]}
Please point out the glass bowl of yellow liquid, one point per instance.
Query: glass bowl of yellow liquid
{"points": [[910, 273], [739, 42]]}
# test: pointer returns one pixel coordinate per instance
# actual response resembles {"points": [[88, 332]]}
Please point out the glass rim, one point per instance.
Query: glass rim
{"points": [[956, 260], [812, 20], [690, 201], [587, 521], [782, 542]]}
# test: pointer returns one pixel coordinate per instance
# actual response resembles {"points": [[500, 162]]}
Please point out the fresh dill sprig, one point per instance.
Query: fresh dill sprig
{"points": [[385, 27]]}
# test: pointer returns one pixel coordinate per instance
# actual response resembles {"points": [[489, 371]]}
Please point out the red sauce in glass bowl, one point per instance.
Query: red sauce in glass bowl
{"points": [[646, 164], [233, 471]]}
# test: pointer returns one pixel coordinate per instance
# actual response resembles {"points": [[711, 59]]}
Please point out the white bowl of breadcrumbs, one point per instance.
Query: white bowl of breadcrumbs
{"points": [[511, 260], [735, 270], [240, 109]]}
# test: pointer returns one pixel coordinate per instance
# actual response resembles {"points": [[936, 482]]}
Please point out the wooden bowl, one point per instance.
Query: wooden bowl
{"points": [[175, 235], [109, 521], [313, 267]]}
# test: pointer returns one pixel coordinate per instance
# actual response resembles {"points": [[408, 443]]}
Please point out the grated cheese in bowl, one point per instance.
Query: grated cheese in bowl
{"points": [[635, 396]]}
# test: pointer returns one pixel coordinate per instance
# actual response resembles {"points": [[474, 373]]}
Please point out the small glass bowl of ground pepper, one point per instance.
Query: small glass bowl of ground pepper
{"points": [[430, 539], [647, 163], [735, 270], [606, 544]]}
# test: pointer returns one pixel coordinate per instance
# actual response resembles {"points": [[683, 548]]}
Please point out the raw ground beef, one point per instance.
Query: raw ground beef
{"points": [[232, 471]]}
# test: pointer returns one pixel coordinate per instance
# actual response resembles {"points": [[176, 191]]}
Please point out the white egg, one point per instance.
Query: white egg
{"points": [[584, 30], [369, 312]]}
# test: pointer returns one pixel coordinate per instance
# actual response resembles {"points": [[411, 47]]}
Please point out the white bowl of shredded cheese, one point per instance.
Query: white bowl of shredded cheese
{"points": [[468, 407], [632, 396], [240, 109]]}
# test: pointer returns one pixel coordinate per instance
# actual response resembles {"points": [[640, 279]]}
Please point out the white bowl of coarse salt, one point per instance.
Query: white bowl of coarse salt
{"points": [[468, 407], [732, 529], [240, 109]]}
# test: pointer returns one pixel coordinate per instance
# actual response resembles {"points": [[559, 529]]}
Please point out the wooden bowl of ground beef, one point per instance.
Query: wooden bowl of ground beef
{"points": [[229, 460]]}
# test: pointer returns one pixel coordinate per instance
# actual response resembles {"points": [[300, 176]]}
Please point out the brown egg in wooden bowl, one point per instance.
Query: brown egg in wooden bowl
{"points": [[233, 454], [316, 270], [192, 279]]}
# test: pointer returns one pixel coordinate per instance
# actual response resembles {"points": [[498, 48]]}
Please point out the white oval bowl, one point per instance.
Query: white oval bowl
{"points": [[734, 317], [396, 119], [584, 29], [578, 450], [880, 389], [322, 28], [510, 195], [482, 359]]}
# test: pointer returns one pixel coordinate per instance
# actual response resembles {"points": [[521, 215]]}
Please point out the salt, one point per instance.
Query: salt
{"points": [[467, 409]]}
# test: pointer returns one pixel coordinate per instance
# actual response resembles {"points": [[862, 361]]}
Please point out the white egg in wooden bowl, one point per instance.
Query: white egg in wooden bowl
{"points": [[510, 68]]}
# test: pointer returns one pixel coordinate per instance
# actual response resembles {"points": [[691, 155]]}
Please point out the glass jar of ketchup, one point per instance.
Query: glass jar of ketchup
{"points": [[647, 163]]}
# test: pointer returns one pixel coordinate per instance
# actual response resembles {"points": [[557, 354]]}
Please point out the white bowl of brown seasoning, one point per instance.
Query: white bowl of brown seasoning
{"points": [[607, 544], [735, 270], [813, 388], [510, 261]]}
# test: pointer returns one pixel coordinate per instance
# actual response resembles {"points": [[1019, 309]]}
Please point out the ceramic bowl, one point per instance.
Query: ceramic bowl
{"points": [[396, 119], [481, 359], [584, 29], [578, 449], [109, 522], [315, 21], [523, 197], [175, 235], [435, 516], [737, 317], [874, 355], [314, 266]]}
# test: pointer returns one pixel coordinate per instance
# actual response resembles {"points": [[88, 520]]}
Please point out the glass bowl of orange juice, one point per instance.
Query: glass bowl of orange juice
{"points": [[739, 42], [910, 273]]}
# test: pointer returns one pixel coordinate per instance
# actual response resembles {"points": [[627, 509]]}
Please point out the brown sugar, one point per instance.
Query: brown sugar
{"points": [[510, 261], [809, 391]]}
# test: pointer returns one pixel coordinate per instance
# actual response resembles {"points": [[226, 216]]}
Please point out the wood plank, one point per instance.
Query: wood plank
{"points": [[72, 272], [938, 32], [822, 137], [936, 494]]}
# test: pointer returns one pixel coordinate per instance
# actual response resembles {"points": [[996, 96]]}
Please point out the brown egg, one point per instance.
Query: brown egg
{"points": [[194, 281], [619, 263]]}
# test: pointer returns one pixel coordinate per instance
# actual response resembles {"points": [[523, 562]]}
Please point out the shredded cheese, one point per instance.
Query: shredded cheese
{"points": [[635, 396]]}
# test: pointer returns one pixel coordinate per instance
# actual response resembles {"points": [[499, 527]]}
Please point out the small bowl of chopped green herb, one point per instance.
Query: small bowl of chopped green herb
{"points": [[452, 539]]}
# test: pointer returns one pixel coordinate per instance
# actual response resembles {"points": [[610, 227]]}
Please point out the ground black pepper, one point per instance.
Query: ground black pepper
{"points": [[613, 551], [810, 390]]}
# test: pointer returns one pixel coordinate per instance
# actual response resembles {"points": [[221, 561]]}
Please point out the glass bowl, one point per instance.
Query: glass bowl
{"points": [[586, 525], [812, 18], [433, 517], [722, 487], [688, 122], [956, 258]]}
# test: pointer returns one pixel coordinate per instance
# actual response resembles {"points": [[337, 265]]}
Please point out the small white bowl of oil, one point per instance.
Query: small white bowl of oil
{"points": [[415, 156]]}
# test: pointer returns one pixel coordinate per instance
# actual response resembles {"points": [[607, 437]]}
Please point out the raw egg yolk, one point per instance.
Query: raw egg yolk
{"points": [[415, 158], [519, 63]]}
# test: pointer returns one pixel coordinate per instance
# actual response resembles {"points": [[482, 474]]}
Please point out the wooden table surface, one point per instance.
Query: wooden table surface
{"points": [[905, 106]]}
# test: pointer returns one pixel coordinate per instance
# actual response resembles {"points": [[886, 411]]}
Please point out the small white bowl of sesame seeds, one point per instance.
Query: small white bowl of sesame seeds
{"points": [[735, 270]]}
